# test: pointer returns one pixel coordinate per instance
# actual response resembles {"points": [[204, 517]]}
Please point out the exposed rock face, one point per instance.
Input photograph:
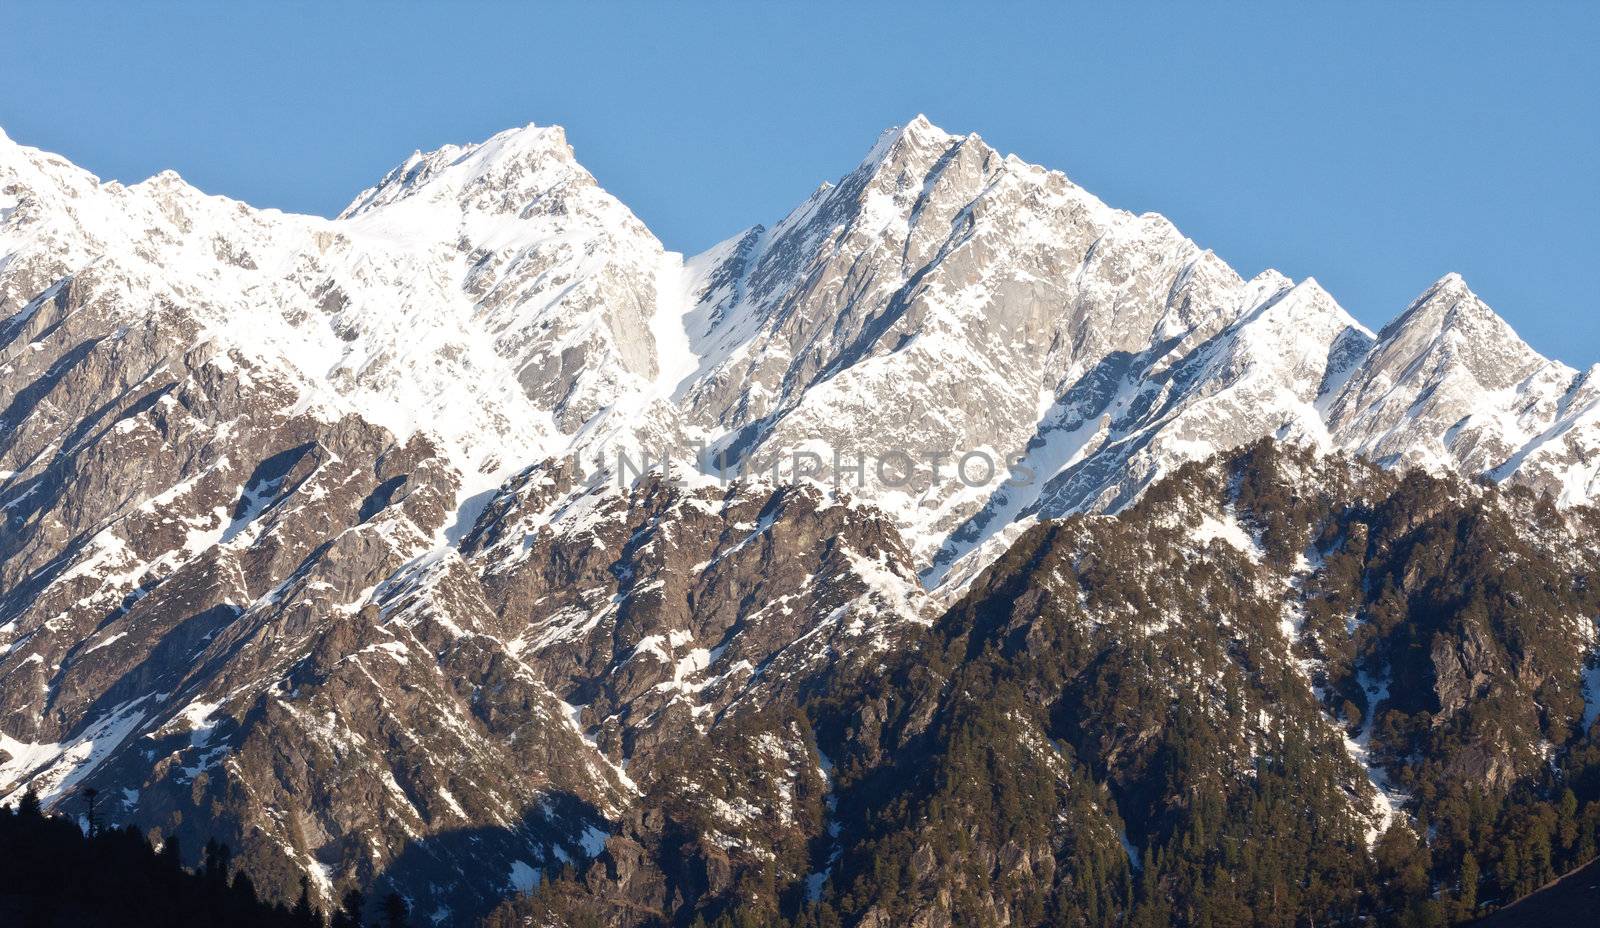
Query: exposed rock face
{"points": [[1003, 309], [303, 544], [943, 299], [1232, 662], [1450, 386]]}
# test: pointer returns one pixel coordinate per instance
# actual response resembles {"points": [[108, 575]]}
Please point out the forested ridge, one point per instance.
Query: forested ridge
{"points": [[1280, 690], [1147, 721]]}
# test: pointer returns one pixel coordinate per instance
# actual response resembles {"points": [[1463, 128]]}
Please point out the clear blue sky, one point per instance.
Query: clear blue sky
{"points": [[1372, 148]]}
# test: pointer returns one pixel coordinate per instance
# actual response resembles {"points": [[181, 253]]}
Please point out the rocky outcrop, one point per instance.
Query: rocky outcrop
{"points": [[320, 536]]}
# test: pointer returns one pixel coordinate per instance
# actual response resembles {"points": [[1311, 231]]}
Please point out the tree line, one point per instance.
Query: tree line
{"points": [[59, 874]]}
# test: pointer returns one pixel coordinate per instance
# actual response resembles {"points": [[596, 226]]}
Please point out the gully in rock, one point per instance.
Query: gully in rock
{"points": [[952, 549]]}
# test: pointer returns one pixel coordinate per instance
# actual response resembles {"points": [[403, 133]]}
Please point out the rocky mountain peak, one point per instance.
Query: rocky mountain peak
{"points": [[26, 171], [502, 174], [14, 153], [1450, 326], [1450, 386], [260, 471], [165, 188], [911, 169], [917, 137]]}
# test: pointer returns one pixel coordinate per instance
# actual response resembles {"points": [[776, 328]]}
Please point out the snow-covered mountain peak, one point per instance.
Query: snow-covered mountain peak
{"points": [[490, 294], [1446, 302], [11, 150], [26, 170], [1449, 385], [904, 158], [939, 299], [11, 153], [917, 135], [61, 189], [1308, 303], [1450, 329], [258, 427], [502, 174], [165, 191], [163, 179]]}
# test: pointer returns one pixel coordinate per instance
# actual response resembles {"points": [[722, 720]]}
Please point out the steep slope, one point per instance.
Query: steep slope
{"points": [[565, 282], [317, 534], [942, 300], [227, 431], [1449, 386], [1239, 700], [1128, 424]]}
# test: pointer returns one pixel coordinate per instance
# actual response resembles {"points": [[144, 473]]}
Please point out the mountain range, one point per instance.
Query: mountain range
{"points": [[471, 542]]}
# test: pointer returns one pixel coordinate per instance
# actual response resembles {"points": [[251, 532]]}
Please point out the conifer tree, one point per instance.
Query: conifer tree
{"points": [[394, 911], [349, 913], [304, 914], [172, 852], [1467, 895]]}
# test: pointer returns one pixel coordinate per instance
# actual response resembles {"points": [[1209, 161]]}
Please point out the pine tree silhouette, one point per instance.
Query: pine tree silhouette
{"points": [[305, 915], [394, 911], [90, 794], [214, 862], [349, 914], [172, 852], [55, 875]]}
